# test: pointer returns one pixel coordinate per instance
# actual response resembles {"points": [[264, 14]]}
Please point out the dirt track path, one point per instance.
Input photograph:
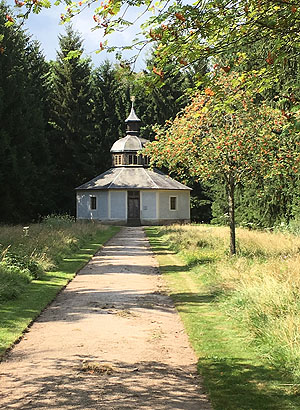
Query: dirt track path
{"points": [[111, 340]]}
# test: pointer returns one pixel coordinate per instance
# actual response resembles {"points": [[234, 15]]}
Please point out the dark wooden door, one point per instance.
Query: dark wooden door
{"points": [[134, 206]]}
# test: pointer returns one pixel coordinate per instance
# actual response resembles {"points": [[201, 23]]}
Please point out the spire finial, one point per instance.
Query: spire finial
{"points": [[133, 121], [132, 99], [132, 116]]}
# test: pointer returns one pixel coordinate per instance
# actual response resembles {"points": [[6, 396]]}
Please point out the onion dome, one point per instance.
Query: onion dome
{"points": [[129, 143]]}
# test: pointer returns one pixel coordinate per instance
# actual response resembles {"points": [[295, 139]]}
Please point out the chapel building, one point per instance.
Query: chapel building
{"points": [[130, 193]]}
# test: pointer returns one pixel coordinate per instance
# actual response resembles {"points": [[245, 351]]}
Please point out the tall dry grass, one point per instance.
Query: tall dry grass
{"points": [[26, 253], [48, 242], [260, 286]]}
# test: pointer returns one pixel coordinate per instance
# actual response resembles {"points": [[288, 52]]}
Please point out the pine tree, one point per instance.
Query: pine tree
{"points": [[71, 119], [157, 102], [111, 108], [24, 154]]}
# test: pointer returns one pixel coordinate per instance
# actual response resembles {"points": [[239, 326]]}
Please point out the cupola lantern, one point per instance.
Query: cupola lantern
{"points": [[126, 151], [133, 122]]}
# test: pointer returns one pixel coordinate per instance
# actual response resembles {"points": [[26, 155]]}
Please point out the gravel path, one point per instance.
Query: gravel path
{"points": [[111, 340]]}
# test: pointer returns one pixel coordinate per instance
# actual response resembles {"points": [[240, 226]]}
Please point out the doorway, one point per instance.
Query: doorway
{"points": [[133, 215]]}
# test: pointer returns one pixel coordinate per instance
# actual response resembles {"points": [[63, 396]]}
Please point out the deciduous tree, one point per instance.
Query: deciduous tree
{"points": [[225, 135]]}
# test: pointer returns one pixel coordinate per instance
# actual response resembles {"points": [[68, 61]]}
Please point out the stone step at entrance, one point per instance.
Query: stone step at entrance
{"points": [[134, 222]]}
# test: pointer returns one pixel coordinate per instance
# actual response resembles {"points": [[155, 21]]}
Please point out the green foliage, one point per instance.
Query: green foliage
{"points": [[24, 263], [13, 281], [159, 101], [111, 101], [259, 204], [224, 136], [185, 33], [71, 120], [30, 253], [60, 119], [200, 208], [245, 36], [82, 136], [262, 36], [292, 227], [73, 145], [56, 221], [24, 154]]}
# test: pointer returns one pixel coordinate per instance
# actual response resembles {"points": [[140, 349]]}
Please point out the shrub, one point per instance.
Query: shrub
{"points": [[56, 220], [13, 281], [23, 262], [292, 227]]}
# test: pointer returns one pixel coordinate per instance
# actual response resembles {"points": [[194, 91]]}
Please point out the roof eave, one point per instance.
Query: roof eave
{"points": [[134, 188]]}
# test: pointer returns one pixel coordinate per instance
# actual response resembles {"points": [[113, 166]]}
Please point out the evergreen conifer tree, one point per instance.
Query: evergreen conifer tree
{"points": [[111, 108], [24, 155], [71, 119]]}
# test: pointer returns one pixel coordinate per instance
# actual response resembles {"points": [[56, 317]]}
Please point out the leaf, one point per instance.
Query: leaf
{"points": [[295, 108], [297, 125], [45, 3], [73, 54]]}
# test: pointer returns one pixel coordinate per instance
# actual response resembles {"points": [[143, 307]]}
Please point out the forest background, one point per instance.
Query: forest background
{"points": [[60, 118]]}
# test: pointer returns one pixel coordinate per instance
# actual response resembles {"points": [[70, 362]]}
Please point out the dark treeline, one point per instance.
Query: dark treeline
{"points": [[59, 120]]}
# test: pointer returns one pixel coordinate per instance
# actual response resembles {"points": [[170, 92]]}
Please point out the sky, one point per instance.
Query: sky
{"points": [[45, 27]]}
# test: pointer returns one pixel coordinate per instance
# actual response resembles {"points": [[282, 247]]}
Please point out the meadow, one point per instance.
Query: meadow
{"points": [[242, 312]]}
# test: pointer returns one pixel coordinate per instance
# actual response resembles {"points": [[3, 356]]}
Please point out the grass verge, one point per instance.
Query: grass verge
{"points": [[16, 315], [235, 375]]}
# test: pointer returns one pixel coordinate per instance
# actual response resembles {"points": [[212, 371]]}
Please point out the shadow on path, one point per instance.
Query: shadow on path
{"points": [[99, 390]]}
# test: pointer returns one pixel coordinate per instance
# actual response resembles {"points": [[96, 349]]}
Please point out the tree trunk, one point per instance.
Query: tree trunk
{"points": [[231, 188]]}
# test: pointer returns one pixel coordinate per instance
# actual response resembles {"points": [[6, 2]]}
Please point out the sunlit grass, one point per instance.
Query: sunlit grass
{"points": [[256, 294], [260, 285]]}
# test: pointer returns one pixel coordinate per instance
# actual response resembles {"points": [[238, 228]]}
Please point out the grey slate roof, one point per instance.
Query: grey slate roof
{"points": [[132, 116], [133, 178], [129, 143]]}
